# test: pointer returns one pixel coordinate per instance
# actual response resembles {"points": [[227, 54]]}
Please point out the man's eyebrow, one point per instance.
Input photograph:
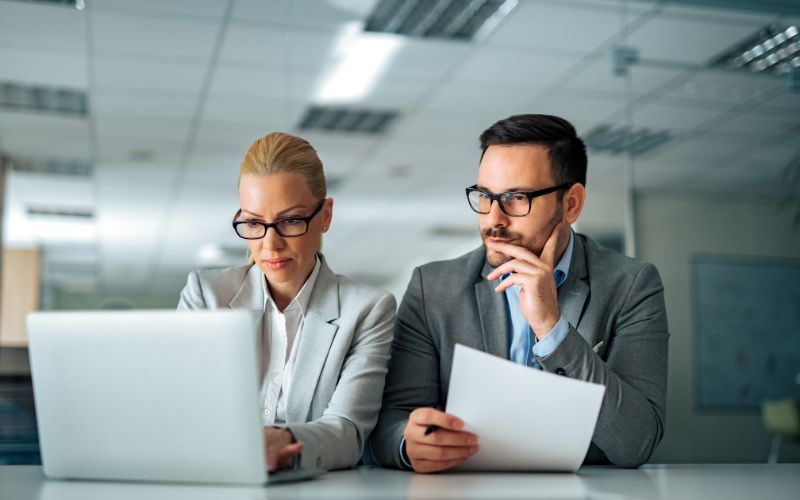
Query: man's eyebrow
{"points": [[509, 190]]}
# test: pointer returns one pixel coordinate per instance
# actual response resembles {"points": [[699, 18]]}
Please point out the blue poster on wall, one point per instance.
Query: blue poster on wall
{"points": [[746, 330]]}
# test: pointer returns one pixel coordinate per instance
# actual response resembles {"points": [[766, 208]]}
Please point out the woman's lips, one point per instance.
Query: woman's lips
{"points": [[276, 263]]}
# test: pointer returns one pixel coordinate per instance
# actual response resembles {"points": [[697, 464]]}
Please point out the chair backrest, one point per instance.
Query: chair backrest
{"points": [[782, 417]]}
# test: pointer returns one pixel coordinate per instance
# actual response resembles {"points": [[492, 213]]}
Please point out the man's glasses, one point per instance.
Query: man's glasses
{"points": [[512, 203], [288, 227]]}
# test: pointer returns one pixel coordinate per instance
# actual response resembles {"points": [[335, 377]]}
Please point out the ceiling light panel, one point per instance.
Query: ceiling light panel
{"points": [[622, 139], [348, 120], [451, 19], [774, 49], [61, 167], [75, 4], [42, 99]]}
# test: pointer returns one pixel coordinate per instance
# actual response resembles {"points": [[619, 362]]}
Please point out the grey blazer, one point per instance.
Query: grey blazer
{"points": [[613, 303], [341, 359]]}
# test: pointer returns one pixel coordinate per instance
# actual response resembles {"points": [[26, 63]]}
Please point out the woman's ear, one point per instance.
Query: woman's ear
{"points": [[327, 215]]}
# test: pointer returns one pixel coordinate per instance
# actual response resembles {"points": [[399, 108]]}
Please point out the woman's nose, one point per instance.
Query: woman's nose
{"points": [[272, 240]]}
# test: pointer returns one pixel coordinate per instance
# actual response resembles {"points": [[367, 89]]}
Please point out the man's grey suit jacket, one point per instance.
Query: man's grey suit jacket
{"points": [[608, 299], [341, 359]]}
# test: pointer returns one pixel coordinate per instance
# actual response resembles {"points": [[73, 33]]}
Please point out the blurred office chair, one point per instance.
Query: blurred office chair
{"points": [[781, 418], [19, 439]]}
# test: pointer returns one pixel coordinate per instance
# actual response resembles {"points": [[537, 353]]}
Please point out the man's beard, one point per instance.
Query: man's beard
{"points": [[497, 259]]}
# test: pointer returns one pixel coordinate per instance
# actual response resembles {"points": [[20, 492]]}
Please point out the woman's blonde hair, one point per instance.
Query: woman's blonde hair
{"points": [[280, 152]]}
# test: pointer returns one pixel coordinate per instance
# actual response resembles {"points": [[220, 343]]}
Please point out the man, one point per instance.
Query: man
{"points": [[537, 293]]}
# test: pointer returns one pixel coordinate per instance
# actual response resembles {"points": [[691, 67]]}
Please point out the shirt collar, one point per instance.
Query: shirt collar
{"points": [[303, 296], [562, 268]]}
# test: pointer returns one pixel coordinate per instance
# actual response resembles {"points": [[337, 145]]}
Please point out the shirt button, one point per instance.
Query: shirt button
{"points": [[275, 375], [268, 412]]}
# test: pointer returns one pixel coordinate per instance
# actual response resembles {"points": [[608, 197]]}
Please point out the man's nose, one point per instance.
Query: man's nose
{"points": [[496, 217]]}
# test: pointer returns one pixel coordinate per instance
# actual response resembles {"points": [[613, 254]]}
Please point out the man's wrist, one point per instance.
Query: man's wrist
{"points": [[547, 344], [543, 330]]}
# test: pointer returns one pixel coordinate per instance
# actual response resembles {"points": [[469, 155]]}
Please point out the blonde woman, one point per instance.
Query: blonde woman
{"points": [[324, 339]]}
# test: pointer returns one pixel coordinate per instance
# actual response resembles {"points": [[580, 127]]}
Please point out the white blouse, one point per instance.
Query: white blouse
{"points": [[280, 335]]}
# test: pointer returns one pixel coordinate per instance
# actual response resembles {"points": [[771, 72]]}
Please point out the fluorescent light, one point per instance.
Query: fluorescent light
{"points": [[774, 48], [347, 120], [43, 99], [461, 20], [614, 140], [361, 59]]}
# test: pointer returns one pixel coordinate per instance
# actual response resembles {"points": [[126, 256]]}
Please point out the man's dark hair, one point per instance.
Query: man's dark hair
{"points": [[566, 150]]}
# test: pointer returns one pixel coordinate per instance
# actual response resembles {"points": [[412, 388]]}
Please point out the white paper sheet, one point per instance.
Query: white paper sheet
{"points": [[525, 419]]}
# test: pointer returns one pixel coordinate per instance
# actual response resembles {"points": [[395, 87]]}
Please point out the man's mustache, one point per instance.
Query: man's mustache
{"points": [[499, 232]]}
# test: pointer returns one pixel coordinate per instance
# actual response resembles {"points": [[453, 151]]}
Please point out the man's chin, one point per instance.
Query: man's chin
{"points": [[496, 259]]}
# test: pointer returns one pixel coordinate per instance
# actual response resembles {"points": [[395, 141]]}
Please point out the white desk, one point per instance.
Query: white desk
{"points": [[684, 482]]}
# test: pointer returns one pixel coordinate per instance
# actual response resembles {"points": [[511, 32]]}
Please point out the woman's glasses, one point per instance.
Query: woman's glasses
{"points": [[288, 227]]}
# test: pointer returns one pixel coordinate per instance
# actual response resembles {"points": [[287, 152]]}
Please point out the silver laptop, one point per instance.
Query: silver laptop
{"points": [[149, 395]]}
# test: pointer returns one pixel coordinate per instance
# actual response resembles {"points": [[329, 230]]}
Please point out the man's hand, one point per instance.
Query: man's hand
{"points": [[538, 297], [442, 449], [280, 448]]}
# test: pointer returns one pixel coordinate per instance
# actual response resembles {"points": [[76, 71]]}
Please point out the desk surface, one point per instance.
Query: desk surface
{"points": [[685, 482]]}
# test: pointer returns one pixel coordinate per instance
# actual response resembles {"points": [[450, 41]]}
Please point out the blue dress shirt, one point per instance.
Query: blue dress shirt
{"points": [[524, 349]]}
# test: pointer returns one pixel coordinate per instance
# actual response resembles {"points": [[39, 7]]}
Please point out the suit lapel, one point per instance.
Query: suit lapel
{"points": [[573, 293], [250, 297], [251, 294], [492, 313], [315, 343]]}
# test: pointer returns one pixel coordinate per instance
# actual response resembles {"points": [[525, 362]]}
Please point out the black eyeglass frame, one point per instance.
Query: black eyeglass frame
{"points": [[307, 219], [498, 197]]}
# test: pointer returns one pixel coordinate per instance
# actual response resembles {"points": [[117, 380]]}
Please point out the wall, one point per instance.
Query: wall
{"points": [[671, 229], [20, 294]]}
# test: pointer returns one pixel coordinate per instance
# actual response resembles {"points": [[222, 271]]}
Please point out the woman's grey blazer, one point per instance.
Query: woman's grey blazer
{"points": [[341, 359]]}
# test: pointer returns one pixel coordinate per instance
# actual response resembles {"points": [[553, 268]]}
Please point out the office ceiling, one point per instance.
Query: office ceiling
{"points": [[178, 89]]}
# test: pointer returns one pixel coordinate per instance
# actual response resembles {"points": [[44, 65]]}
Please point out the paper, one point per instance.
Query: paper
{"points": [[525, 419]]}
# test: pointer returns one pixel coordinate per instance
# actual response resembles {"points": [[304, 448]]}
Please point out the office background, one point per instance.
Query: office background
{"points": [[122, 125]]}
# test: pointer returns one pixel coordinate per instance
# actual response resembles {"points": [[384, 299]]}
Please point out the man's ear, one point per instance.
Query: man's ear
{"points": [[573, 202]]}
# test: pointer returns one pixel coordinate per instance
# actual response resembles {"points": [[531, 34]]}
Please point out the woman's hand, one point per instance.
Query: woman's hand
{"points": [[279, 448]]}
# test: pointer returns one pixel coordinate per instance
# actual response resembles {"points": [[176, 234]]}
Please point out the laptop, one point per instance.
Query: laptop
{"points": [[150, 396]]}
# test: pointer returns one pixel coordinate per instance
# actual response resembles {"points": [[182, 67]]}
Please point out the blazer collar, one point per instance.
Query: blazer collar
{"points": [[492, 311], [572, 295], [315, 343], [250, 295], [324, 300]]}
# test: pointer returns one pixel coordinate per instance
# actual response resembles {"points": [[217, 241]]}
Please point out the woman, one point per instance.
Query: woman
{"points": [[324, 339]]}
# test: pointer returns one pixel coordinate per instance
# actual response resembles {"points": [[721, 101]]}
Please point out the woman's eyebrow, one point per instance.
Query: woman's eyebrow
{"points": [[294, 207], [251, 213], [280, 214]]}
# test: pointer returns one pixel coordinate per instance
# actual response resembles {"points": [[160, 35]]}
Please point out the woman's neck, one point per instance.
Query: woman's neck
{"points": [[283, 293]]}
